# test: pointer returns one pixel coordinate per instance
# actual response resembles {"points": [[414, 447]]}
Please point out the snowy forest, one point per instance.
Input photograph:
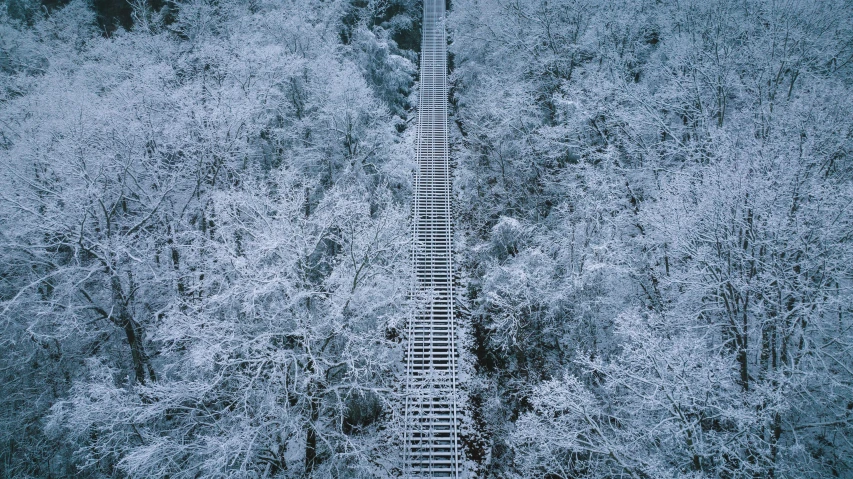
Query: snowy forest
{"points": [[205, 238]]}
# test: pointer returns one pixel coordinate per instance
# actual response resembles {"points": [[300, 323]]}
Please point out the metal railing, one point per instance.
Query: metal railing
{"points": [[431, 445]]}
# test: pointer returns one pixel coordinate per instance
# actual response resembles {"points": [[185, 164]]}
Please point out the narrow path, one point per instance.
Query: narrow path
{"points": [[432, 440]]}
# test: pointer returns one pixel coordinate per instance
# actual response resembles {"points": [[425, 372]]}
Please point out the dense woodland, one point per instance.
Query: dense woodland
{"points": [[204, 236]]}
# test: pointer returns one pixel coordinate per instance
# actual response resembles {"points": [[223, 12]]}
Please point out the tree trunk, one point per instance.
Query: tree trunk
{"points": [[133, 331], [311, 433]]}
